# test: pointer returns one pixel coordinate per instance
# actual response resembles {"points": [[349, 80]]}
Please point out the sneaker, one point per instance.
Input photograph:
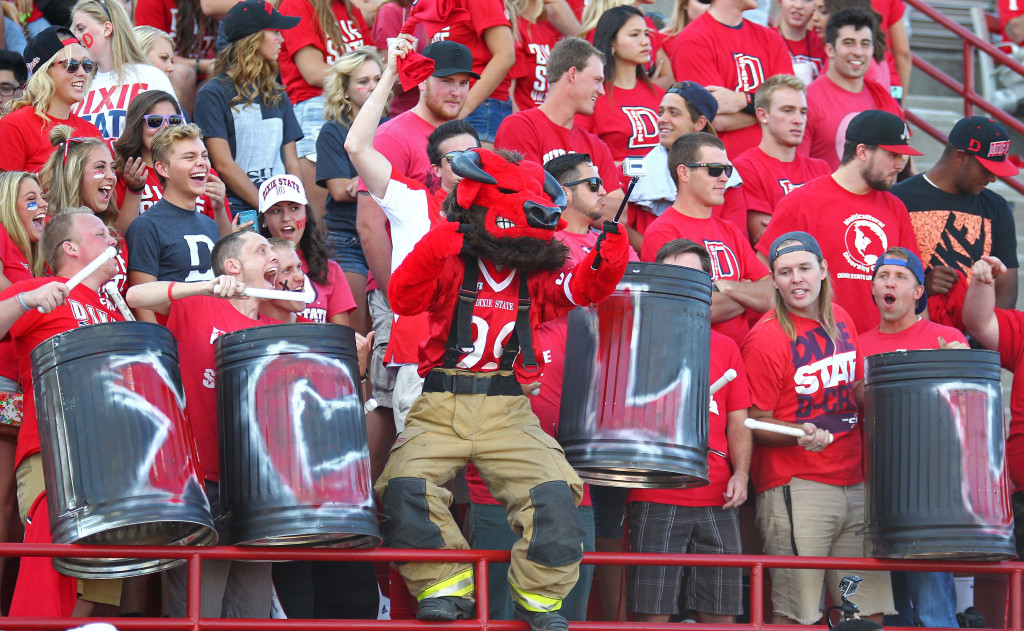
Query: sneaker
{"points": [[541, 620], [446, 609]]}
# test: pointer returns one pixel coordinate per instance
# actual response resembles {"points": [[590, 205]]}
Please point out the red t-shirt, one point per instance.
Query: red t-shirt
{"points": [[163, 14], [738, 58], [732, 258], [853, 232], [891, 11], [532, 134], [15, 268], [82, 307], [766, 180], [549, 341], [307, 32], [922, 335], [1011, 356], [27, 138], [734, 396], [403, 141], [809, 50], [470, 33], [196, 322], [830, 109], [1008, 10], [331, 299], [809, 380], [154, 192], [531, 70], [626, 120]]}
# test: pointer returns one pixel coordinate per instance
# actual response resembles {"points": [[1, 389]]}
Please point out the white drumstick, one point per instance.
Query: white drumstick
{"points": [[307, 295], [726, 378], [778, 429], [87, 271], [115, 297]]}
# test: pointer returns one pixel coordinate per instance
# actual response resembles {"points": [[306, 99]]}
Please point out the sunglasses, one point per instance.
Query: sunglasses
{"points": [[71, 65], [715, 169], [594, 183], [156, 121]]}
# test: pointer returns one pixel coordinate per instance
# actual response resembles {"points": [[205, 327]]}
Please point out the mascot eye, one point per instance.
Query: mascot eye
{"points": [[506, 191]]}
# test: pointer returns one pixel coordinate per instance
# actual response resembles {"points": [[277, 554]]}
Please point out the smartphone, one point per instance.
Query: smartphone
{"points": [[246, 216]]}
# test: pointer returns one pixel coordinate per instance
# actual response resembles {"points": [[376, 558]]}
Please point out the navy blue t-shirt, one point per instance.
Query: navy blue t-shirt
{"points": [[332, 161], [255, 133], [172, 243]]}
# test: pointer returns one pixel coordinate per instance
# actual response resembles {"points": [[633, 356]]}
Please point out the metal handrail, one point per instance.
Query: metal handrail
{"points": [[481, 560], [965, 89]]}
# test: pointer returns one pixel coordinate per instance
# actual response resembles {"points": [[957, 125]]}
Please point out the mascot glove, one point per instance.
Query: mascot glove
{"points": [[444, 241], [588, 285]]}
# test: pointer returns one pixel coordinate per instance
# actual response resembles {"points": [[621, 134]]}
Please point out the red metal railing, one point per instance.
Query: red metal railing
{"points": [[481, 559], [965, 89]]}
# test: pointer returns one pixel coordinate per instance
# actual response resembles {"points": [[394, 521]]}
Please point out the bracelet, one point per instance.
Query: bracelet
{"points": [[170, 288], [197, 67], [136, 190], [21, 301], [750, 108]]}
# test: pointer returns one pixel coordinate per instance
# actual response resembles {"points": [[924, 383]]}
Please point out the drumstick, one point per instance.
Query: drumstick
{"points": [[724, 379], [779, 429], [307, 295], [115, 296], [87, 271]]}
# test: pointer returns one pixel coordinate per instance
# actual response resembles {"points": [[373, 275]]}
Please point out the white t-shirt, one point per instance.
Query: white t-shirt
{"points": [[106, 102]]}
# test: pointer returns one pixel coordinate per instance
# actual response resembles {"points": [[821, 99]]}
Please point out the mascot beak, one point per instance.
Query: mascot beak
{"points": [[540, 216]]}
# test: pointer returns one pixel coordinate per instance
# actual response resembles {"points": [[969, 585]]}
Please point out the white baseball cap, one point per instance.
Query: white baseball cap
{"points": [[281, 188]]}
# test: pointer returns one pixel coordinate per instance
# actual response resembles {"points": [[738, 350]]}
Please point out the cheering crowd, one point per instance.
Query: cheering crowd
{"points": [[222, 145]]}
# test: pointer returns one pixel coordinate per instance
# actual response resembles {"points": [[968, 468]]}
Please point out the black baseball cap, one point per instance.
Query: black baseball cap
{"points": [[696, 95], [804, 243], [987, 141], [50, 41], [450, 58], [252, 16], [883, 130], [912, 263]]}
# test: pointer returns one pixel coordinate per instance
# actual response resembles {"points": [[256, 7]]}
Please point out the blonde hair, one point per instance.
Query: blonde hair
{"points": [[328, 22], [164, 139], [337, 106], [531, 10], [771, 85], [39, 89], [826, 315], [594, 10], [124, 50], [10, 185], [62, 180], [253, 75], [146, 36], [680, 17]]}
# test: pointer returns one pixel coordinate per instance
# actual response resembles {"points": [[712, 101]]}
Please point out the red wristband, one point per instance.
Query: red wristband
{"points": [[170, 288]]}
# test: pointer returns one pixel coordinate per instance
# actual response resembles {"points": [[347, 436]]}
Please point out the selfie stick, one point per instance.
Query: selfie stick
{"points": [[625, 200]]}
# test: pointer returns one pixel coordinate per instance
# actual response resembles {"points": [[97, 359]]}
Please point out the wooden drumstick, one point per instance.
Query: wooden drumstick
{"points": [[115, 297], [87, 271], [779, 429], [724, 379]]}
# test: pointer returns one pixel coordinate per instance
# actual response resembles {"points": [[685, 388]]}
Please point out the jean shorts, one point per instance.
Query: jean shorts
{"points": [[310, 114], [347, 251], [487, 116]]}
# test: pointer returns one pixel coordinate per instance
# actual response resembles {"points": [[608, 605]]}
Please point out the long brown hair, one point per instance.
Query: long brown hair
{"points": [[253, 75], [826, 315]]}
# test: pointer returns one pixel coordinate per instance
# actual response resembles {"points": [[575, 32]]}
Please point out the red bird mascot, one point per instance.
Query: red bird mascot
{"points": [[486, 279]]}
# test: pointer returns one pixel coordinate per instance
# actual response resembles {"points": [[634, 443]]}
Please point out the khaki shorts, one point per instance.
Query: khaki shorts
{"points": [[29, 475], [830, 523], [382, 378]]}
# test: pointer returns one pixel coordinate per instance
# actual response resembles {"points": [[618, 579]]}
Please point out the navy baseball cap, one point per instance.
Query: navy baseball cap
{"points": [[987, 141], [804, 243], [696, 95], [912, 263], [450, 58], [252, 16], [883, 130], [47, 43]]}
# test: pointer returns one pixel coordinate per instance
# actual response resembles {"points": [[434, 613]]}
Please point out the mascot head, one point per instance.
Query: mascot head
{"points": [[515, 206]]}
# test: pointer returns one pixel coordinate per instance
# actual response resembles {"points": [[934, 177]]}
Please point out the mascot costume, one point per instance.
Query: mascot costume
{"points": [[486, 279]]}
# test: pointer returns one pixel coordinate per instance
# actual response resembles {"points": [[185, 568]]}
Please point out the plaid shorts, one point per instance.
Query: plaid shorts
{"points": [[666, 528]]}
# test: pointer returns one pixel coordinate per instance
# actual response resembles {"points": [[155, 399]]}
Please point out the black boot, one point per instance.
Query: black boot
{"points": [[541, 620], [446, 609]]}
